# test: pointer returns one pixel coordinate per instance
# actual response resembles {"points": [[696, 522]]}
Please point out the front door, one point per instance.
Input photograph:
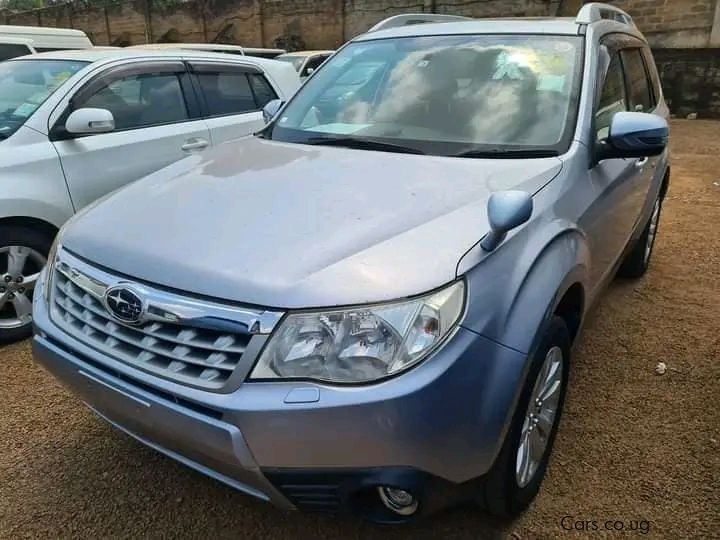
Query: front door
{"points": [[156, 124], [619, 185]]}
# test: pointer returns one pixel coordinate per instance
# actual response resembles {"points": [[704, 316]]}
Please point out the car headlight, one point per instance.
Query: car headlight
{"points": [[362, 343], [49, 266]]}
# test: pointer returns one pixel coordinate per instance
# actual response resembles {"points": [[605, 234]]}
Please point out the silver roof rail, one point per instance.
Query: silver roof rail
{"points": [[408, 19], [596, 11]]}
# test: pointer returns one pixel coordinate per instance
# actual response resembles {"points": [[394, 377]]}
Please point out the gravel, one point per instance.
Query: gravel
{"points": [[635, 447]]}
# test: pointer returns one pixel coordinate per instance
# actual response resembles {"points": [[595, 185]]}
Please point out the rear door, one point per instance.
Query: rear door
{"points": [[157, 122], [232, 98]]}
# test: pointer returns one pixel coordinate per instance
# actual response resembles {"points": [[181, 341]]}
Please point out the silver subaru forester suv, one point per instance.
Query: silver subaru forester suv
{"points": [[370, 305]]}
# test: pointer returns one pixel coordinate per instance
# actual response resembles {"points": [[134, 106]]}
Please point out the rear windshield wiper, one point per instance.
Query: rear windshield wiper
{"points": [[363, 144], [510, 153]]}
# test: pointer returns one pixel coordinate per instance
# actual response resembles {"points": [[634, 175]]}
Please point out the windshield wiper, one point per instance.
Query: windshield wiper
{"points": [[363, 144], [511, 153]]}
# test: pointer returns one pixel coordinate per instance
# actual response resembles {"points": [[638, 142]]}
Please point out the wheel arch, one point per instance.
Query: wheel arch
{"points": [[36, 224], [544, 281]]}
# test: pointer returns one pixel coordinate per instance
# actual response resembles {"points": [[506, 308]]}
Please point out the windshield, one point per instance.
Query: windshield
{"points": [[296, 61], [25, 85], [444, 95]]}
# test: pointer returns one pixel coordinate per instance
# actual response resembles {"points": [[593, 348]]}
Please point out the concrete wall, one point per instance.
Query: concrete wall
{"points": [[671, 26]]}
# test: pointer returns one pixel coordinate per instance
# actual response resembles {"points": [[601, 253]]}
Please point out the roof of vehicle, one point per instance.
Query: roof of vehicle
{"points": [[11, 29], [605, 17], [540, 25], [15, 40], [203, 47], [98, 54], [307, 53]]}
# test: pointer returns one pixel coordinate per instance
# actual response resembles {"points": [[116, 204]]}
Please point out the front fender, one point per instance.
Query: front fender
{"points": [[515, 289]]}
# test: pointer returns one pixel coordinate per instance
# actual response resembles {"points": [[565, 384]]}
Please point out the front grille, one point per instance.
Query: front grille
{"points": [[195, 341], [190, 355]]}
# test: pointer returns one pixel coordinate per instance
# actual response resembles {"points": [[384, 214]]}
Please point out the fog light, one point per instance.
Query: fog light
{"points": [[398, 500]]}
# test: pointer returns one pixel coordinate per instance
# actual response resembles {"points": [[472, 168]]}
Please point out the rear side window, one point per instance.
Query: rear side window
{"points": [[233, 91], [141, 100], [637, 81], [654, 75], [227, 92], [263, 91], [612, 98], [12, 50]]}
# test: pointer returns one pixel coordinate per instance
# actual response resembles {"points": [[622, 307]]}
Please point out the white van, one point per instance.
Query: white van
{"points": [[21, 40]]}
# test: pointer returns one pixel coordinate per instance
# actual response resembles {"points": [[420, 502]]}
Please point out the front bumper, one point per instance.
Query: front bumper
{"points": [[432, 429]]}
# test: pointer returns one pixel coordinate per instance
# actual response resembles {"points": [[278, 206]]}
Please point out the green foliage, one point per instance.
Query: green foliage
{"points": [[21, 5]]}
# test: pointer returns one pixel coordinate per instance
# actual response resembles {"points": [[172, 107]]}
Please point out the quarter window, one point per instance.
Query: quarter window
{"points": [[612, 98], [637, 82], [141, 100]]}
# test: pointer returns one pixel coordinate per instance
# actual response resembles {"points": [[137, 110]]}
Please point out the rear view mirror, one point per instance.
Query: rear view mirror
{"points": [[89, 121], [635, 134], [506, 210], [271, 109]]}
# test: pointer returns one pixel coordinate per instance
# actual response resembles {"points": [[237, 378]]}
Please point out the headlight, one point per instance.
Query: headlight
{"points": [[49, 265], [362, 343]]}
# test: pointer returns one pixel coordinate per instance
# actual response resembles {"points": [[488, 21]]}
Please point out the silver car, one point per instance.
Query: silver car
{"points": [[370, 306]]}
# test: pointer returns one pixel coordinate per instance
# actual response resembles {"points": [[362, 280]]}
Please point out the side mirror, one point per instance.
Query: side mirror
{"points": [[89, 121], [634, 134], [506, 210], [271, 108], [309, 71]]}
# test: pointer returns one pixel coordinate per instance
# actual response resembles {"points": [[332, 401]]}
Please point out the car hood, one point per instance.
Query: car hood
{"points": [[291, 226]]}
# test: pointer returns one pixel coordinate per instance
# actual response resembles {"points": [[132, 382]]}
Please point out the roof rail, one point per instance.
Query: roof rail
{"points": [[408, 19], [596, 11]]}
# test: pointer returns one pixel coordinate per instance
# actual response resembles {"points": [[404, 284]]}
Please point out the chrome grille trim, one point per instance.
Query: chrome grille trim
{"points": [[189, 341]]}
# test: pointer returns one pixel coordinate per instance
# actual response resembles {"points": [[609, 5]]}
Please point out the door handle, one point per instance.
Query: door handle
{"points": [[196, 143], [640, 163]]}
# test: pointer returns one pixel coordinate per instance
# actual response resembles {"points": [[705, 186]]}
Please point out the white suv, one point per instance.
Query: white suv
{"points": [[75, 125]]}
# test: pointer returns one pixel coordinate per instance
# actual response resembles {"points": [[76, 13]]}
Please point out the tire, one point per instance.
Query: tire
{"points": [[34, 247], [502, 492], [637, 261]]}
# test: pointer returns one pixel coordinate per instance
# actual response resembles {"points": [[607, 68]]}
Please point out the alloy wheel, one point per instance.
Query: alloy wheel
{"points": [[20, 267], [540, 417]]}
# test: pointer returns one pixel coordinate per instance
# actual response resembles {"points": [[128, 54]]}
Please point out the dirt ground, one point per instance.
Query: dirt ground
{"points": [[634, 447]]}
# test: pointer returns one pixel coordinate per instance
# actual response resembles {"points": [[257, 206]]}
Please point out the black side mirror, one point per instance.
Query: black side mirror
{"points": [[634, 134]]}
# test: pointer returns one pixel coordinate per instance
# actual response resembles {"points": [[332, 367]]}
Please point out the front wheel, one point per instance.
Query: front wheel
{"points": [[23, 254], [637, 261], [519, 469]]}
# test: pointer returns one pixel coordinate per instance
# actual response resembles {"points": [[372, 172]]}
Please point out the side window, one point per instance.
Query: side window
{"points": [[141, 100], [612, 98], [312, 65], [12, 50], [226, 92], [637, 82], [262, 89], [654, 75]]}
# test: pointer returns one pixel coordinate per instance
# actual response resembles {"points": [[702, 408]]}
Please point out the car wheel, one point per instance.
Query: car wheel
{"points": [[637, 261], [519, 468], [23, 253]]}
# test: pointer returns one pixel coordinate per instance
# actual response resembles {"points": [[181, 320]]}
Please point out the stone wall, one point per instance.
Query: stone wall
{"points": [[682, 32], [691, 80]]}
